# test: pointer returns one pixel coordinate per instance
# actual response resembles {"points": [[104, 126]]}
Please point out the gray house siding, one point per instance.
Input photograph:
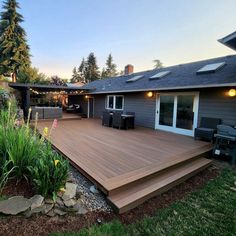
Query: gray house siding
{"points": [[212, 103], [216, 103], [139, 103], [143, 107], [99, 105]]}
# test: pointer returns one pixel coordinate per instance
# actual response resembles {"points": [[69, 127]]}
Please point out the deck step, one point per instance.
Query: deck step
{"points": [[140, 192], [117, 184]]}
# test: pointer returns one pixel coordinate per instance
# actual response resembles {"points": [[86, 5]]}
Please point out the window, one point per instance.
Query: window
{"points": [[160, 75], [110, 102], [211, 68], [115, 102], [135, 78]]}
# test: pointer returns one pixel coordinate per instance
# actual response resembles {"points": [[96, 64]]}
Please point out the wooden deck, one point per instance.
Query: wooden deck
{"points": [[124, 161]]}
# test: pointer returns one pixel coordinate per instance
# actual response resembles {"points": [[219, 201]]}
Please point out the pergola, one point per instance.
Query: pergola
{"points": [[26, 89]]}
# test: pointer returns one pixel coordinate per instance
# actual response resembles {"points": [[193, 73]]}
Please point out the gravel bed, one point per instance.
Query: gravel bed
{"points": [[94, 202]]}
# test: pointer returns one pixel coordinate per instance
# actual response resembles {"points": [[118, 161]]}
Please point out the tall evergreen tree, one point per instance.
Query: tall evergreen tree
{"points": [[110, 70], [104, 73], [158, 64], [81, 71], [14, 50], [75, 76], [91, 69]]}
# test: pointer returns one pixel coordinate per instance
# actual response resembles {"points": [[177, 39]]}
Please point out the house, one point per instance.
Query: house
{"points": [[172, 98], [131, 167]]}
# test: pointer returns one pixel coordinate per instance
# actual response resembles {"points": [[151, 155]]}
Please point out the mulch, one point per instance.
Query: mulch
{"points": [[21, 188], [43, 225]]}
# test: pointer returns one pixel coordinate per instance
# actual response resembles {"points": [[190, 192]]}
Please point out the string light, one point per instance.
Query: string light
{"points": [[57, 93]]}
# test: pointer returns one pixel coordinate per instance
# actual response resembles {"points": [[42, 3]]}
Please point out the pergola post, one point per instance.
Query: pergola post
{"points": [[26, 101]]}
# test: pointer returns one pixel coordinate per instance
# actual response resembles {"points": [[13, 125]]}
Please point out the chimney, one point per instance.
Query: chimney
{"points": [[129, 69]]}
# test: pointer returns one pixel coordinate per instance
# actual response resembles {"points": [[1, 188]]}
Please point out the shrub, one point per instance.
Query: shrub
{"points": [[5, 99], [23, 154], [49, 172]]}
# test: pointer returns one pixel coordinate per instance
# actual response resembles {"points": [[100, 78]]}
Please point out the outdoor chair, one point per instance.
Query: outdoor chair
{"points": [[106, 118], [207, 129], [117, 120], [74, 108], [130, 123]]}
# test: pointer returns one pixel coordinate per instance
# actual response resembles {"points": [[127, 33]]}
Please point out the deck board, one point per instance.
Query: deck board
{"points": [[109, 155]]}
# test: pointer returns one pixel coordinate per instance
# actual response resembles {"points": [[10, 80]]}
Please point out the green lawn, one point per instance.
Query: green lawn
{"points": [[209, 211]]}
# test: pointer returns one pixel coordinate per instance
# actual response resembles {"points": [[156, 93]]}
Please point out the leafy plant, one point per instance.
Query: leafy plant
{"points": [[23, 154], [49, 172]]}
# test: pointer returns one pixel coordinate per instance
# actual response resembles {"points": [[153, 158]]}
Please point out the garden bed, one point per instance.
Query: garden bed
{"points": [[43, 225]]}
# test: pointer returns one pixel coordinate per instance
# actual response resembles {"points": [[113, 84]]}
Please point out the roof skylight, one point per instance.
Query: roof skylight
{"points": [[160, 75], [135, 78], [211, 68]]}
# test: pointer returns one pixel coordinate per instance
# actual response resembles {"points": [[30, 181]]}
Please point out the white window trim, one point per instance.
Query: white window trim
{"points": [[173, 128], [114, 102]]}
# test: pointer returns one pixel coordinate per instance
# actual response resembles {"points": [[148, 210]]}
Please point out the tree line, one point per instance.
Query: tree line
{"points": [[88, 70]]}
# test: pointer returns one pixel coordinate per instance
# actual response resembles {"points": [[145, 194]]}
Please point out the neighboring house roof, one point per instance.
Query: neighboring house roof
{"points": [[229, 40], [183, 76]]}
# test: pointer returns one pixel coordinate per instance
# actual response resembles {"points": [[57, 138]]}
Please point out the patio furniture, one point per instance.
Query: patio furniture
{"points": [[225, 142], [118, 120], [38, 110], [46, 112], [129, 119], [52, 112], [207, 128], [106, 119], [73, 108]]}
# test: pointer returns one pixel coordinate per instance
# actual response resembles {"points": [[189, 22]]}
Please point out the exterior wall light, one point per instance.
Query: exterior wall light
{"points": [[232, 93], [150, 94], [86, 96]]}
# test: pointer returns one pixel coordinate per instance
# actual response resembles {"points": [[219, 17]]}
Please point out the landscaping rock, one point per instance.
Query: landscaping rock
{"points": [[51, 213], [93, 189], [14, 205], [36, 201], [82, 210], [78, 194], [47, 208], [70, 203], [59, 202], [60, 194], [79, 208], [59, 212], [49, 201], [93, 202], [70, 191]]}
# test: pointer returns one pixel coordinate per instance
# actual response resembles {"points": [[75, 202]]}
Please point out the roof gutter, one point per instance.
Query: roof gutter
{"points": [[167, 88]]}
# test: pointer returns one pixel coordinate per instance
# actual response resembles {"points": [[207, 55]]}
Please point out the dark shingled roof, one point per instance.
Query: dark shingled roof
{"points": [[181, 77]]}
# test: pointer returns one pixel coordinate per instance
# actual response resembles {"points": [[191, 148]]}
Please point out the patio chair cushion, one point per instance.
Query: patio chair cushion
{"points": [[52, 112], [204, 133], [207, 128], [38, 110]]}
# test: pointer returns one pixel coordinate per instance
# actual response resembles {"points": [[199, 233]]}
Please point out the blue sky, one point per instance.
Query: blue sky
{"points": [[62, 32]]}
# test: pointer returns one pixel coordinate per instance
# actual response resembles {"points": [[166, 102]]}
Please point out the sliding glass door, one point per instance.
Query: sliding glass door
{"points": [[177, 112]]}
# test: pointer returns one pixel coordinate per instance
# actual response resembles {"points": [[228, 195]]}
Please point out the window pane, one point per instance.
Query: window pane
{"points": [[119, 102], [185, 112], [110, 102], [166, 110]]}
